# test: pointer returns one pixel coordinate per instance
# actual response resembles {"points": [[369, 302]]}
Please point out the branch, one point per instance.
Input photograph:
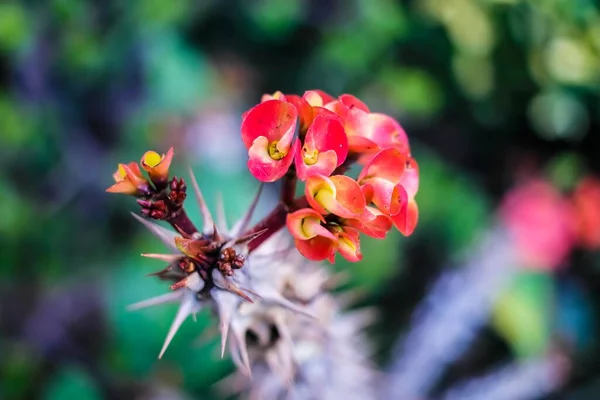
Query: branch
{"points": [[274, 222], [181, 220]]}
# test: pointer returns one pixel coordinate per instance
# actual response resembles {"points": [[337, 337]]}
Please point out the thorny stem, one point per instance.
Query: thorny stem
{"points": [[276, 219], [181, 220], [274, 222]]}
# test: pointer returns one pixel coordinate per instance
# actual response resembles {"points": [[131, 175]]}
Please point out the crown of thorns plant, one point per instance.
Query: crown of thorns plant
{"points": [[313, 139]]}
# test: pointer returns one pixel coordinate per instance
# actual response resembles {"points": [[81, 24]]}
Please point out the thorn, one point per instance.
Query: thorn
{"points": [[224, 332], [216, 236], [242, 224], [206, 216], [270, 294], [170, 297], [182, 232], [180, 284], [165, 235], [226, 303], [161, 272], [164, 257], [221, 216], [240, 337], [236, 290], [236, 357], [188, 306], [248, 238]]}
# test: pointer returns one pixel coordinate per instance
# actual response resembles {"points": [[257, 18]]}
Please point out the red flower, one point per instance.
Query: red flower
{"points": [[129, 180], [312, 239], [586, 199], [391, 181], [309, 106], [385, 132], [372, 223], [339, 195], [268, 133], [318, 240], [355, 115], [380, 181], [325, 148], [348, 240], [408, 217]]}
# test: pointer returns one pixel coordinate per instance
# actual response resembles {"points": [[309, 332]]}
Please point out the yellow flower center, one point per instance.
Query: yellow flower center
{"points": [[347, 243], [152, 159], [121, 173], [310, 157], [274, 151]]}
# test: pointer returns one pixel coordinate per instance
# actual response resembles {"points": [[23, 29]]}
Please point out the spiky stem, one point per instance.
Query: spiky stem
{"points": [[274, 221], [181, 220]]}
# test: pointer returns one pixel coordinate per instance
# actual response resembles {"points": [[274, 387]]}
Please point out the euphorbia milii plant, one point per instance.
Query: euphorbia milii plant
{"points": [[312, 140]]}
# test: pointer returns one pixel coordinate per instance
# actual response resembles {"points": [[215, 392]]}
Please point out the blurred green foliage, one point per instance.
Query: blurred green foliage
{"points": [[87, 84]]}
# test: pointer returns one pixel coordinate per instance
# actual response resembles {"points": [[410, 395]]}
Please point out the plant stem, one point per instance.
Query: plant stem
{"points": [[288, 187], [181, 219], [274, 222]]}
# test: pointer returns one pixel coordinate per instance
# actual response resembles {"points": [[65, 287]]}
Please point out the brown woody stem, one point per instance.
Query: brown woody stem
{"points": [[181, 220]]}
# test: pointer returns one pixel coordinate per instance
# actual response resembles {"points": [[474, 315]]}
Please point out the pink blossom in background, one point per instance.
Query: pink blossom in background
{"points": [[541, 222]]}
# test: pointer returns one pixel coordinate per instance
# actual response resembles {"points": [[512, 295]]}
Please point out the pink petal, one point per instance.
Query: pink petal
{"points": [[318, 248], [388, 164], [263, 167], [327, 133], [339, 195], [387, 132], [273, 119], [325, 165], [352, 102], [349, 244], [305, 224], [406, 220]]}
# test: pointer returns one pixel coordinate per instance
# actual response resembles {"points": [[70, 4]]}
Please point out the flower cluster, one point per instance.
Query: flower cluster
{"points": [[315, 138]]}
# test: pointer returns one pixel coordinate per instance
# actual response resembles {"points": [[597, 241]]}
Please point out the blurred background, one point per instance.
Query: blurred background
{"points": [[491, 92]]}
